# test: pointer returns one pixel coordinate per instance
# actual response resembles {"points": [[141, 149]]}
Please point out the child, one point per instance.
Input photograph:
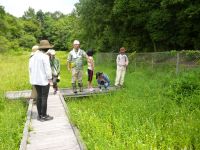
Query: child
{"points": [[122, 63], [90, 61], [102, 80], [55, 67]]}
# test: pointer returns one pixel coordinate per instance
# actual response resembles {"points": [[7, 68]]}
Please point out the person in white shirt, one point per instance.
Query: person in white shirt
{"points": [[34, 92], [122, 63], [40, 76]]}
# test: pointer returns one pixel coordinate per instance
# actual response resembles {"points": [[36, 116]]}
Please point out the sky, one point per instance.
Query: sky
{"points": [[18, 7]]}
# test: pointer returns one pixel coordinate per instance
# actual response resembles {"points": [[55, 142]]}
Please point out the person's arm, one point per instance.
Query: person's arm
{"points": [[69, 59], [85, 54], [127, 61], [117, 60], [58, 63], [47, 68], [106, 79]]}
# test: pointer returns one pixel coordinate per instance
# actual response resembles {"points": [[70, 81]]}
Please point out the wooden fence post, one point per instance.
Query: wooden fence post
{"points": [[152, 61], [177, 63]]}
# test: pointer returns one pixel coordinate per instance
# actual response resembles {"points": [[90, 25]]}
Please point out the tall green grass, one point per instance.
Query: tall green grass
{"points": [[14, 76], [140, 116], [153, 111]]}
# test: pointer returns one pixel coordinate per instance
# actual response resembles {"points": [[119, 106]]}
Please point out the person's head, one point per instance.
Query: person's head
{"points": [[90, 52], [99, 75], [35, 48], [51, 53], [76, 44], [122, 50], [45, 45]]}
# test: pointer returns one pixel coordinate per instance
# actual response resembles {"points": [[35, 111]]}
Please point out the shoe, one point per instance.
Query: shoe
{"points": [[54, 92], [75, 92], [106, 89], [117, 86], [46, 118], [91, 89], [39, 117]]}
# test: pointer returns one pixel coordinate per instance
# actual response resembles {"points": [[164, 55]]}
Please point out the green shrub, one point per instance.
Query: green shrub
{"points": [[186, 84]]}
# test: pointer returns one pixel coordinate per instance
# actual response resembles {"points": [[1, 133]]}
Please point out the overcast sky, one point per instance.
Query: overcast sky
{"points": [[17, 7]]}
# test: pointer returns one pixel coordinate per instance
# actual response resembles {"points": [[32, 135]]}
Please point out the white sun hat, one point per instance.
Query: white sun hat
{"points": [[76, 42]]}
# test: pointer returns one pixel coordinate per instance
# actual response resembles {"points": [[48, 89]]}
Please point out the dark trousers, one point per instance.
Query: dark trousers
{"points": [[42, 96]]}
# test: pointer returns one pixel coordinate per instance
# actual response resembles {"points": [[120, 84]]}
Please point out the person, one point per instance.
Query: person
{"points": [[55, 68], [34, 92], [102, 80], [90, 69], [75, 65], [40, 76], [122, 63]]}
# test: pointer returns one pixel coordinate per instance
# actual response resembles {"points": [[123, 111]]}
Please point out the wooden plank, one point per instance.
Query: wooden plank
{"points": [[68, 92], [54, 134]]}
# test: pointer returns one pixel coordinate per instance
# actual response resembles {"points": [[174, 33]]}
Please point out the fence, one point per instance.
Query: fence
{"points": [[177, 61]]}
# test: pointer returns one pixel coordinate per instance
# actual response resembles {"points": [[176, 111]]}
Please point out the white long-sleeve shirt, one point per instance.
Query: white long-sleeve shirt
{"points": [[39, 69], [122, 60]]}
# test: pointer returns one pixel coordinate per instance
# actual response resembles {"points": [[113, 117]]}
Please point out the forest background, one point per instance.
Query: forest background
{"points": [[138, 25]]}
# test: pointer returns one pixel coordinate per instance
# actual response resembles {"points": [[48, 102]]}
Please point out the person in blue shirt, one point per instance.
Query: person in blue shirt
{"points": [[102, 80]]}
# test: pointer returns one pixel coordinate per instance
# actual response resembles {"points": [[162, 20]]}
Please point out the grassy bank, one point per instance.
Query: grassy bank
{"points": [[151, 112], [12, 113]]}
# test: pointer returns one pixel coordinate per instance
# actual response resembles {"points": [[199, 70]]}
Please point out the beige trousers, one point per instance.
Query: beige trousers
{"points": [[120, 74], [77, 75]]}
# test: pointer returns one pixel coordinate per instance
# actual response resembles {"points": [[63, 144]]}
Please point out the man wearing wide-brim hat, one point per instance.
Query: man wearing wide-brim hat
{"points": [[41, 76]]}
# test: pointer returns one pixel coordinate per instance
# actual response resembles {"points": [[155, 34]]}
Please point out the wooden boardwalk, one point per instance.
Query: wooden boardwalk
{"points": [[56, 134], [67, 92]]}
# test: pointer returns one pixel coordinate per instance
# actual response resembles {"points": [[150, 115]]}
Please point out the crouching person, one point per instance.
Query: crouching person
{"points": [[103, 81]]}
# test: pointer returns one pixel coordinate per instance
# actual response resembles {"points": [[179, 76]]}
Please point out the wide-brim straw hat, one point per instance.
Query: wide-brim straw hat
{"points": [[44, 44], [122, 49]]}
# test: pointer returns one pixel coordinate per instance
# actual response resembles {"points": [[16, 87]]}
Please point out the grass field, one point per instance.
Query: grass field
{"points": [[155, 110], [143, 115]]}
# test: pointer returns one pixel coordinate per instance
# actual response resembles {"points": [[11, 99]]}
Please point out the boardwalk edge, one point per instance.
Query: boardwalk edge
{"points": [[23, 143], [75, 130]]}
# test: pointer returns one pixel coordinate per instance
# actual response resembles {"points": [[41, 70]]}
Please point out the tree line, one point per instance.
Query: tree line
{"points": [[138, 25]]}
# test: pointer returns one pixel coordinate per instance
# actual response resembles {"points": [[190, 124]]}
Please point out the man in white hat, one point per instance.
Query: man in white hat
{"points": [[40, 76], [75, 65]]}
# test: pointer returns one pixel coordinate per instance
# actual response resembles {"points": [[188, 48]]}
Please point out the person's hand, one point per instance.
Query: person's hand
{"points": [[69, 69], [50, 82]]}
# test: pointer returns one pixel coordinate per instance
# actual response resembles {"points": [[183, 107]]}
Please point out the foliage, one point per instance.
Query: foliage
{"points": [[183, 86], [155, 25]]}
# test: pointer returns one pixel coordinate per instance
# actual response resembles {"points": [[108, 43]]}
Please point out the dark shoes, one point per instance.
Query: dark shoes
{"points": [[45, 118]]}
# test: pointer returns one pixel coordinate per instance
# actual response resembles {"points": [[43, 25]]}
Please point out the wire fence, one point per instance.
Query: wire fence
{"points": [[176, 61]]}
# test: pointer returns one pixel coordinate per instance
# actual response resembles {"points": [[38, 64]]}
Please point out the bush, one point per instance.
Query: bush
{"points": [[27, 41], [184, 85], [4, 44]]}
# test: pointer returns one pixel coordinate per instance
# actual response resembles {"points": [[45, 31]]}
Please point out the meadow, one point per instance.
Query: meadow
{"points": [[155, 110]]}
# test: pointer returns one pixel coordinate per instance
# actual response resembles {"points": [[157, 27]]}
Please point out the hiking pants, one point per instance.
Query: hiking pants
{"points": [[42, 96]]}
